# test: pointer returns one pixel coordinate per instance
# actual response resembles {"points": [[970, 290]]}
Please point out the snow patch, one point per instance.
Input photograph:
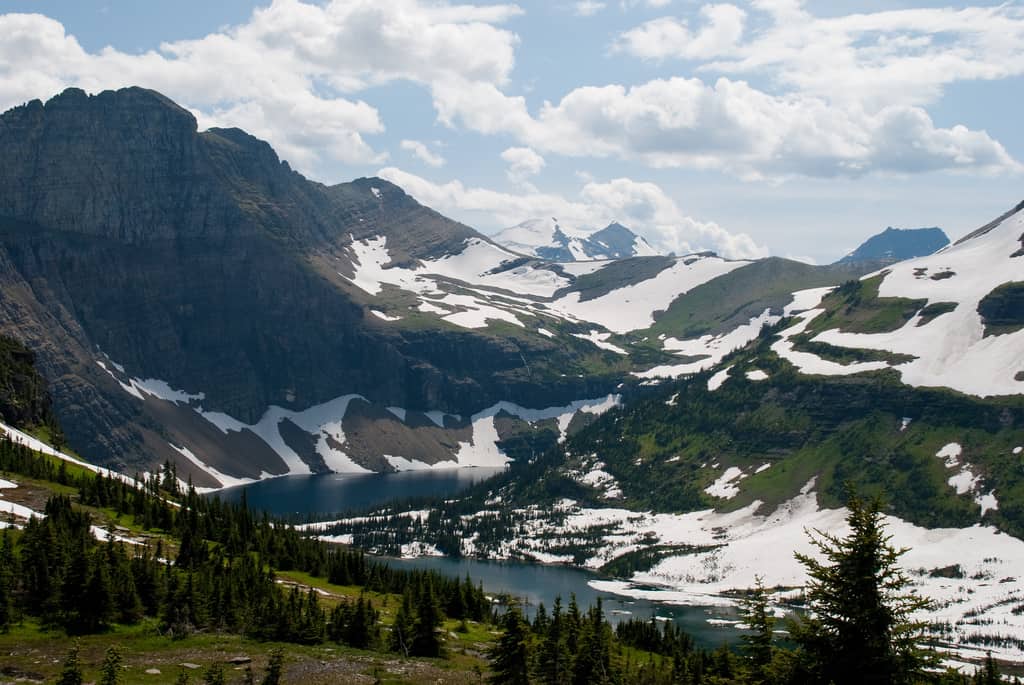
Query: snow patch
{"points": [[726, 486], [720, 377], [598, 339]]}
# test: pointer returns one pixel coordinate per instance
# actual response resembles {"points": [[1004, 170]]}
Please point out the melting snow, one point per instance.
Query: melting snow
{"points": [[715, 382], [713, 348], [726, 486], [386, 317], [951, 350], [757, 375], [632, 307], [598, 339]]}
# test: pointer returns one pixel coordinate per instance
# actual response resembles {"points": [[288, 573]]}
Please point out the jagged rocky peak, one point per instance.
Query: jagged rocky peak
{"points": [[897, 244], [548, 238]]}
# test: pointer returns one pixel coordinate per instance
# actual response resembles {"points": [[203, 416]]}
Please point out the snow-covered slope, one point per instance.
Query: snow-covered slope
{"points": [[549, 239], [483, 282], [959, 347]]}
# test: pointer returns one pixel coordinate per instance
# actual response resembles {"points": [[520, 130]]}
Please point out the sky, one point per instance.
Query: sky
{"points": [[795, 128]]}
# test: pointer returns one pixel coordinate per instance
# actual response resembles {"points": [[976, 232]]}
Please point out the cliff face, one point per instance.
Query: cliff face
{"points": [[203, 260]]}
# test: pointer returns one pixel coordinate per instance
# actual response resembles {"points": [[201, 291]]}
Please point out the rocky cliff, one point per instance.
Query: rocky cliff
{"points": [[134, 246]]}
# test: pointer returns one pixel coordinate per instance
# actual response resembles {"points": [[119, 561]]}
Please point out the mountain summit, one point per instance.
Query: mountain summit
{"points": [[897, 244], [549, 239]]}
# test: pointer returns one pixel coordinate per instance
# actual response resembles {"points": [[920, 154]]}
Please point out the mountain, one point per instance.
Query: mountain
{"points": [[548, 239], [896, 244], [906, 383], [191, 298]]}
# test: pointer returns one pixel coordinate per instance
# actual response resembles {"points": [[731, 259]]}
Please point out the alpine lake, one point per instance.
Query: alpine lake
{"points": [[324, 496]]}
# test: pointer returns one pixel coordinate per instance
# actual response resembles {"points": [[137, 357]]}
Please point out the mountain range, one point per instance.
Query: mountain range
{"points": [[548, 239], [192, 298]]}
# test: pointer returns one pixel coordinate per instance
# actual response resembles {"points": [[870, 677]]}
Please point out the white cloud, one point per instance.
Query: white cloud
{"points": [[286, 74], [587, 8], [666, 37], [522, 163], [644, 207], [422, 152], [873, 59], [844, 95], [731, 126]]}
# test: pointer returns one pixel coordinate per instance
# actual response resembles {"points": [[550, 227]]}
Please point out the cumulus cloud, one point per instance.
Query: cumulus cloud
{"points": [[842, 95], [286, 75], [731, 126], [875, 59], [667, 37], [422, 152], [642, 206], [522, 163]]}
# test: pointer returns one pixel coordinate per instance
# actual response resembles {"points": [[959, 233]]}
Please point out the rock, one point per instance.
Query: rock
{"points": [[203, 260], [189, 665], [152, 671], [237, 660]]}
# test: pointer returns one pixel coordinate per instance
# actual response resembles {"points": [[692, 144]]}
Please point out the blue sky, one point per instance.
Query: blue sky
{"points": [[749, 127]]}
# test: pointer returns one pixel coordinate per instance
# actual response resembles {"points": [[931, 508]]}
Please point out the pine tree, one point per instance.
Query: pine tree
{"points": [[275, 668], [988, 674], [554, 663], [71, 673], [860, 628], [510, 656], [758, 642], [110, 672], [426, 641], [214, 675]]}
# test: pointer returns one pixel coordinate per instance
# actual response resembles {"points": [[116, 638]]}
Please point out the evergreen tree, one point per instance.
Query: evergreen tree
{"points": [[859, 629], [71, 673], [275, 668], [110, 672], [213, 675], [510, 656], [758, 642], [988, 674], [554, 663], [426, 640], [403, 627]]}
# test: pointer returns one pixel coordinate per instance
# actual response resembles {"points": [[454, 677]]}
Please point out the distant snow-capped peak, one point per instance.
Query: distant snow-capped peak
{"points": [[547, 238]]}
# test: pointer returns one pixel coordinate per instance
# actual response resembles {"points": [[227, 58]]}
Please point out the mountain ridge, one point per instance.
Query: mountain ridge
{"points": [[897, 244], [548, 239]]}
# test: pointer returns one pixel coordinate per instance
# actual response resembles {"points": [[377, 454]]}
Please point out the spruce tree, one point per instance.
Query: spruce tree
{"points": [[426, 641], [110, 672], [510, 656], [756, 614], [214, 675], [275, 668], [71, 673], [554, 663], [860, 628]]}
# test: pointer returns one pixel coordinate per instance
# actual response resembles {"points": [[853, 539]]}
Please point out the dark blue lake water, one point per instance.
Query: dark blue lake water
{"points": [[332, 493], [530, 583]]}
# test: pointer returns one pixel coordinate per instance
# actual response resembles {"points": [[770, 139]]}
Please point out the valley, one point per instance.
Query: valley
{"points": [[554, 406]]}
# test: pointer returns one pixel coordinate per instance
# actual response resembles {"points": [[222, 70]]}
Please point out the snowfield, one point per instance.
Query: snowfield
{"points": [[728, 551], [951, 350]]}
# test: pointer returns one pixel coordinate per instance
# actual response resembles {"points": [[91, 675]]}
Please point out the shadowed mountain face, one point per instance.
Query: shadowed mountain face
{"points": [[131, 239], [897, 244]]}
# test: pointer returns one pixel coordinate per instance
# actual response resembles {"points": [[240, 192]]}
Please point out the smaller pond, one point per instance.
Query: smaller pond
{"points": [[332, 493]]}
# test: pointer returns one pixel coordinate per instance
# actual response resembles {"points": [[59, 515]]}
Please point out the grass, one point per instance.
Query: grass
{"points": [[855, 307], [33, 652]]}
